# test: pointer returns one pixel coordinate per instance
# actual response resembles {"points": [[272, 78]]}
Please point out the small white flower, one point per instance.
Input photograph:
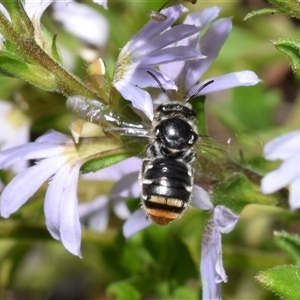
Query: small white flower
{"points": [[147, 49], [286, 148]]}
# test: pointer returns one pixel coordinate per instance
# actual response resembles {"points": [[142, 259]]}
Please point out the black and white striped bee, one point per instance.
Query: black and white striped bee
{"points": [[167, 173]]}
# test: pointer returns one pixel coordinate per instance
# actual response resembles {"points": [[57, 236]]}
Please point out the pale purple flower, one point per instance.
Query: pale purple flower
{"points": [[62, 163], [211, 267], [60, 160], [287, 149], [148, 48], [187, 74], [125, 175]]}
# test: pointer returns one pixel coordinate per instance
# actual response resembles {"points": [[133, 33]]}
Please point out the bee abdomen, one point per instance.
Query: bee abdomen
{"points": [[167, 186]]}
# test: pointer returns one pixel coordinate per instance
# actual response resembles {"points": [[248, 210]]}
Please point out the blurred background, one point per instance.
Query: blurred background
{"points": [[159, 262]]}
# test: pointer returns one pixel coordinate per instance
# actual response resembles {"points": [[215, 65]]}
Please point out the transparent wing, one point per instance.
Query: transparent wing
{"points": [[96, 112], [214, 163]]}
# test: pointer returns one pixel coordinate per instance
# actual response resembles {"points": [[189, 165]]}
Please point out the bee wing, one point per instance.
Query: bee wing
{"points": [[214, 163], [211, 162], [96, 112]]}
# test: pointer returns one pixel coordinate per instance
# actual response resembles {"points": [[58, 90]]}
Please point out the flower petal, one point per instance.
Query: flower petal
{"points": [[35, 9], [171, 54], [101, 2], [294, 194], [53, 199], [142, 79], [227, 81], [283, 147], [70, 228], [212, 270], [6, 14], [210, 256], [173, 70], [128, 186], [225, 219], [279, 178], [120, 208], [140, 99], [26, 152], [153, 28], [201, 198], [26, 183], [99, 220], [95, 213], [135, 223], [14, 130], [169, 37], [209, 45], [54, 137], [203, 18], [93, 26]]}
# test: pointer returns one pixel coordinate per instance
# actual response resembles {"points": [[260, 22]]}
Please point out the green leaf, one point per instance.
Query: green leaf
{"points": [[283, 281], [13, 66], [289, 243], [290, 48], [20, 20], [55, 50], [289, 7], [185, 292], [103, 162], [254, 101], [172, 268], [260, 12], [247, 102], [123, 291], [12, 260], [237, 191]]}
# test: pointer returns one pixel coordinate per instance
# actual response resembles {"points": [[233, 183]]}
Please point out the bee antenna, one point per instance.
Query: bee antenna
{"points": [[199, 90], [160, 85]]}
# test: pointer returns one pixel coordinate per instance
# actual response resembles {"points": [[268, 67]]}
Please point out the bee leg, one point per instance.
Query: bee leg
{"points": [[129, 131]]}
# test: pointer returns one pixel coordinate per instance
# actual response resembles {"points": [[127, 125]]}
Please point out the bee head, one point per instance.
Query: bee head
{"points": [[175, 134]]}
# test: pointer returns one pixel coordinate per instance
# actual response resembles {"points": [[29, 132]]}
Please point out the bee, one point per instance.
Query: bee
{"points": [[167, 173]]}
